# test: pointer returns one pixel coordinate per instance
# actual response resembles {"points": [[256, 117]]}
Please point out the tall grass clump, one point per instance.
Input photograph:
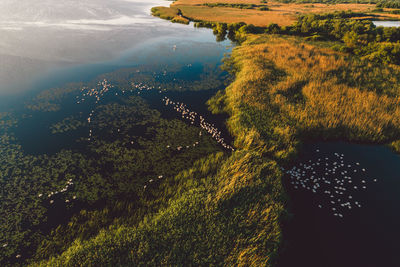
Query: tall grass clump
{"points": [[287, 91]]}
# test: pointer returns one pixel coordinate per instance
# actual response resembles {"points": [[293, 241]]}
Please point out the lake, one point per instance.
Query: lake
{"points": [[45, 44]]}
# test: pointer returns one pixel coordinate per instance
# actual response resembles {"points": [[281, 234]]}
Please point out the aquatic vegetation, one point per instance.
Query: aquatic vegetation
{"points": [[51, 100], [67, 124], [136, 174], [168, 196], [7, 120], [127, 148]]}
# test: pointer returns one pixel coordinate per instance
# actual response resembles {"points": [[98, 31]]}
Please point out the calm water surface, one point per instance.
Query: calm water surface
{"points": [[48, 43], [366, 236]]}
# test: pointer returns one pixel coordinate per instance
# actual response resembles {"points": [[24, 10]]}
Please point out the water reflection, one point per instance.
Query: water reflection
{"points": [[386, 23], [57, 40]]}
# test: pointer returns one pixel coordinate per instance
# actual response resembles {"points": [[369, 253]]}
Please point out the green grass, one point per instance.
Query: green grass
{"points": [[221, 211]]}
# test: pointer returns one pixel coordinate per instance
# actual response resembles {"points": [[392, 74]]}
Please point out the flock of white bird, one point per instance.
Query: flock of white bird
{"points": [[50, 197], [105, 86], [152, 180], [335, 181], [102, 88], [330, 177], [55, 193], [193, 117]]}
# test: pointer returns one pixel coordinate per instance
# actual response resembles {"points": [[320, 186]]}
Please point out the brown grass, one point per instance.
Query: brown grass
{"points": [[231, 15], [280, 13], [294, 88]]}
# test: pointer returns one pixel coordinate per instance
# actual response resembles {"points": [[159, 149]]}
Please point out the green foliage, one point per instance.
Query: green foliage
{"points": [[388, 4], [273, 28], [204, 223], [241, 6], [237, 5], [217, 103], [221, 30], [382, 52], [362, 38], [209, 208]]}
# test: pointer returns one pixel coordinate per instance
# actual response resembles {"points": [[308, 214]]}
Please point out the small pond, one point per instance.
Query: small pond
{"points": [[386, 23]]}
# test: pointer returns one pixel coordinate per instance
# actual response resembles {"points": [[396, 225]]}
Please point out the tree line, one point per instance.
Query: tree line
{"points": [[359, 37]]}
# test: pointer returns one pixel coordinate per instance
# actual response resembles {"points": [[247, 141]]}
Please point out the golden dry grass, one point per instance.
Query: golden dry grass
{"points": [[200, 2], [297, 88], [280, 13], [232, 15]]}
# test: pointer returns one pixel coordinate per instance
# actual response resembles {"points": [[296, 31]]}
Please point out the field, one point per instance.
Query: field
{"points": [[282, 14], [288, 91]]}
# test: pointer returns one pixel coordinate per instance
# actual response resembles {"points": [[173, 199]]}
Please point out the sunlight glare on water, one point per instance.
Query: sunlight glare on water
{"points": [[39, 37]]}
